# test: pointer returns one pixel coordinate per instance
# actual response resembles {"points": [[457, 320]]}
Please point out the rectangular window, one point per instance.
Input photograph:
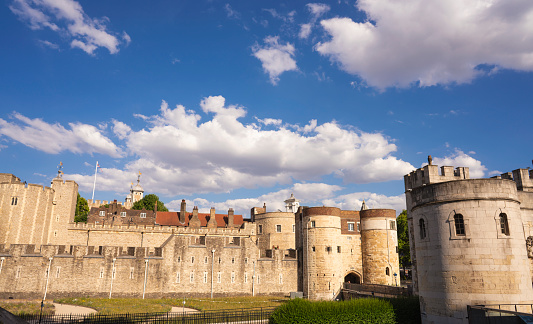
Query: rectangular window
{"points": [[358, 226], [102, 213], [143, 215], [245, 277], [177, 277], [328, 249], [313, 224], [192, 277], [280, 279], [459, 224], [351, 227], [58, 271], [313, 249], [14, 201], [205, 260], [192, 259], [122, 214], [258, 279], [245, 260], [205, 277], [101, 273], [293, 228], [113, 273], [132, 269], [338, 249], [278, 228], [17, 274], [232, 277], [392, 225], [260, 229], [219, 277]]}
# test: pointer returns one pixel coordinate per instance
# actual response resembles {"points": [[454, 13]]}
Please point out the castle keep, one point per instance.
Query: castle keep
{"points": [[470, 240], [308, 249]]}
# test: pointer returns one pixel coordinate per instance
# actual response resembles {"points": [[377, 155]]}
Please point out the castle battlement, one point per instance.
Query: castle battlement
{"points": [[522, 177], [77, 251], [430, 174], [244, 231]]}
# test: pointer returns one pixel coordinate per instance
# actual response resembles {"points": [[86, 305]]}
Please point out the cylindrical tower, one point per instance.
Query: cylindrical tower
{"points": [[379, 242], [468, 244], [322, 255], [275, 230]]}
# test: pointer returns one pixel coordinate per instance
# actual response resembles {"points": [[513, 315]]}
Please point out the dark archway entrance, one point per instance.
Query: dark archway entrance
{"points": [[352, 278]]}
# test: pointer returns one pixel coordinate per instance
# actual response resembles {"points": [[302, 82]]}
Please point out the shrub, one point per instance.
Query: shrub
{"points": [[407, 310], [360, 311]]}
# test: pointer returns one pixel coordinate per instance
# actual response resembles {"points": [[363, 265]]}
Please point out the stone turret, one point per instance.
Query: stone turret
{"points": [[212, 219]]}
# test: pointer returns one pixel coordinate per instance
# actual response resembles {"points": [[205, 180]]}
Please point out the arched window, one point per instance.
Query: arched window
{"points": [[504, 225], [422, 225], [387, 272], [459, 224]]}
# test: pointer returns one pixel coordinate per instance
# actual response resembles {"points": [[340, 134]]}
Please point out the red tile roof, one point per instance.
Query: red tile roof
{"points": [[173, 219]]}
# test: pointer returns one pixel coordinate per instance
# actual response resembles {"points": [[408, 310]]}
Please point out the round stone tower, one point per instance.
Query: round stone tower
{"points": [[275, 230], [379, 242], [467, 243], [322, 255]]}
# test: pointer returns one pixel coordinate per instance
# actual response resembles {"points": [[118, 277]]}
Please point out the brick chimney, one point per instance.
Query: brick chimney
{"points": [[195, 221], [182, 211], [212, 219]]}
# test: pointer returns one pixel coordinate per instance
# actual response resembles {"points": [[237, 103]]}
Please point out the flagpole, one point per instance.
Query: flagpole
{"points": [[94, 185]]}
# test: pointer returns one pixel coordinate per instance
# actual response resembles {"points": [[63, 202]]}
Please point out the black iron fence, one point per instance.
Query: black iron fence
{"points": [[500, 314], [242, 316], [368, 290]]}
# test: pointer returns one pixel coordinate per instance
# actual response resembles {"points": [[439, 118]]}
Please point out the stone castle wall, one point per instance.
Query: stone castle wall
{"points": [[479, 264], [270, 238]]}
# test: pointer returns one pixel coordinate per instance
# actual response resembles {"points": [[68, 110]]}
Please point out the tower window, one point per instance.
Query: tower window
{"points": [[392, 225], [293, 228], [122, 214], [260, 229], [422, 225], [143, 215], [351, 227], [459, 224], [504, 225], [102, 213], [387, 271], [278, 228], [14, 201], [313, 224]]}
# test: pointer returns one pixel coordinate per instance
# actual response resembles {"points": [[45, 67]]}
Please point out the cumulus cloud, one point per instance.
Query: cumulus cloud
{"points": [[54, 138], [68, 18], [430, 42], [276, 58], [316, 10], [461, 159]]}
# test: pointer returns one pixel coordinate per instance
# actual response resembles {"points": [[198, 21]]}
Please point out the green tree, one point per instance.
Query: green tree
{"points": [[148, 203], [403, 240], [82, 209]]}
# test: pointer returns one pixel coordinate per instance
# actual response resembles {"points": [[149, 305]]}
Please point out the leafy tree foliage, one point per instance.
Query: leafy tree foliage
{"points": [[403, 240], [82, 209], [148, 203]]}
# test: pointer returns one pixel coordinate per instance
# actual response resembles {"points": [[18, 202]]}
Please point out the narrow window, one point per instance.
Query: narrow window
{"points": [[113, 273], [205, 277], [245, 260], [422, 225], [232, 277], [328, 249], [132, 270], [205, 260], [245, 277], [232, 260], [260, 229], [358, 226], [102, 213], [17, 274], [192, 276], [293, 228], [101, 273], [192, 259], [351, 227], [58, 271], [392, 225], [504, 225], [14, 201], [143, 215], [313, 249], [278, 228], [338, 249], [219, 277], [55, 233], [280, 279], [122, 214], [179, 259], [387, 272], [177, 277], [257, 279], [219, 260], [313, 224], [459, 224]]}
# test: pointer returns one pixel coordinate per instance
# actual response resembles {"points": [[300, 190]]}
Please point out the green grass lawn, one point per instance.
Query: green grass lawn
{"points": [[132, 305], [26, 307]]}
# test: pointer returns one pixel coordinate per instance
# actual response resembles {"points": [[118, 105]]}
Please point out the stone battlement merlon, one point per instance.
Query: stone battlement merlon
{"points": [[522, 177], [430, 174], [78, 251], [243, 231]]}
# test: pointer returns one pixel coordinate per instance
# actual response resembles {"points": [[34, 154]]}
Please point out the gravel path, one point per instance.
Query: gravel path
{"points": [[180, 310], [64, 309]]}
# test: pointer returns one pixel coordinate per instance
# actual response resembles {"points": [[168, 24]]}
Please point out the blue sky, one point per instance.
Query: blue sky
{"points": [[233, 104]]}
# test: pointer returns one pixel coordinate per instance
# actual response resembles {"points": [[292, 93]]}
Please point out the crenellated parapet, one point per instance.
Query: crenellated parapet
{"points": [[522, 177], [430, 174]]}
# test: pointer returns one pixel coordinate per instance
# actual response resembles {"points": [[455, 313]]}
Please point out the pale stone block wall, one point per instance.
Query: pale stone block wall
{"points": [[270, 238]]}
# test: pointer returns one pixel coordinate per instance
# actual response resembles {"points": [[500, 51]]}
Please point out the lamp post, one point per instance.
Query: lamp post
{"points": [[145, 274], [253, 282], [47, 277], [212, 268]]}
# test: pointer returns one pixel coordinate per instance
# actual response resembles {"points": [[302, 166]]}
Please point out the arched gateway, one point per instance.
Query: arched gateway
{"points": [[352, 277]]}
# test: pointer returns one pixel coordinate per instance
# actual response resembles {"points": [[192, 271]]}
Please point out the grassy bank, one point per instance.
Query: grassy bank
{"points": [[131, 305], [26, 307]]}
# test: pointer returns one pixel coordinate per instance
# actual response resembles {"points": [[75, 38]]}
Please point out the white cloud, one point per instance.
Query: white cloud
{"points": [[231, 13], [68, 18], [431, 42], [276, 58], [461, 159], [54, 138], [49, 44], [305, 30], [316, 10], [309, 194]]}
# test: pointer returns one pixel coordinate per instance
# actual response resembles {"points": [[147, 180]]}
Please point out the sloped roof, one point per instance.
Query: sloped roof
{"points": [[173, 219]]}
